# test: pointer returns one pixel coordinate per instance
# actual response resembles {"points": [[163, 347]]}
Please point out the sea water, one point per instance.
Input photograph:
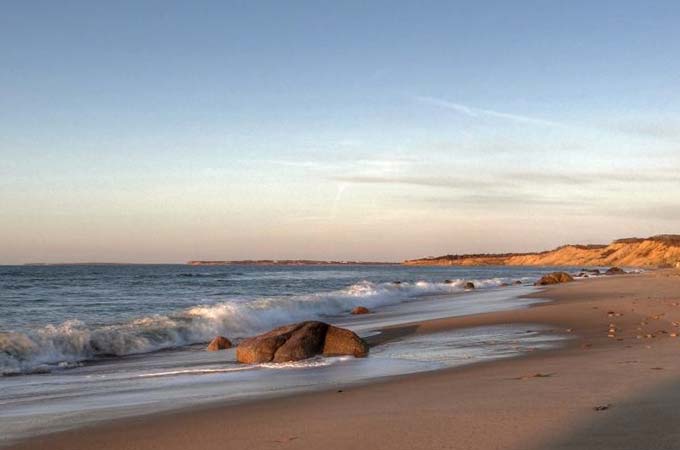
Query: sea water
{"points": [[85, 343]]}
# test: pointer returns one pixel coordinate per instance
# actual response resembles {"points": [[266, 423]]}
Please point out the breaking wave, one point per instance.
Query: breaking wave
{"points": [[74, 341]]}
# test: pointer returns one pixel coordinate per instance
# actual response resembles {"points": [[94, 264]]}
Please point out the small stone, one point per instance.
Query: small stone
{"points": [[219, 343], [360, 310]]}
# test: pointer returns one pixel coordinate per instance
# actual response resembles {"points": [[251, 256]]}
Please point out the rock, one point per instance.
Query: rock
{"points": [[518, 282], [469, 285], [305, 342], [448, 281], [340, 341], [300, 341], [615, 271], [219, 343], [260, 349], [360, 310], [555, 278], [396, 282]]}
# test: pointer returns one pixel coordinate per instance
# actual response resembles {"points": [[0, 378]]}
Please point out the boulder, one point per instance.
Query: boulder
{"points": [[615, 271], [448, 281], [518, 282], [219, 343], [305, 342], [360, 310], [340, 341], [260, 349], [555, 278], [469, 285], [300, 341]]}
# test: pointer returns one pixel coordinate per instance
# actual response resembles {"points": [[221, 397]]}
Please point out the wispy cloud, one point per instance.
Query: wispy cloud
{"points": [[659, 211], [438, 182], [481, 113], [665, 128], [516, 179], [502, 199], [548, 178]]}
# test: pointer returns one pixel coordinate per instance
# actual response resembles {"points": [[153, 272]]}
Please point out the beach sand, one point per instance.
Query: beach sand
{"points": [[545, 400]]}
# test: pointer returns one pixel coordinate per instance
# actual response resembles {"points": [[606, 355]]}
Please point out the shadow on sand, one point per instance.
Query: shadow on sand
{"points": [[647, 421]]}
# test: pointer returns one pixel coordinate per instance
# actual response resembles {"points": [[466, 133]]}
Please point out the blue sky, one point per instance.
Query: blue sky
{"points": [[161, 131]]}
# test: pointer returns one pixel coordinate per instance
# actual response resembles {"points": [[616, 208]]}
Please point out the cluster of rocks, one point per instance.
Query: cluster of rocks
{"points": [[295, 342], [468, 284], [300, 341], [554, 278], [564, 277]]}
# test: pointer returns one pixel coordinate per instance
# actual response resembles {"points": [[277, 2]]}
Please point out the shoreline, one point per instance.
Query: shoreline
{"points": [[580, 306]]}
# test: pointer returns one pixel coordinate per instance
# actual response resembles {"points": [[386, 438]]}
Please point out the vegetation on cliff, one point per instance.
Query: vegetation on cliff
{"points": [[656, 251]]}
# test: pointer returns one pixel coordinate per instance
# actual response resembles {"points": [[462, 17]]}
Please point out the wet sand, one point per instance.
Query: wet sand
{"points": [[603, 390]]}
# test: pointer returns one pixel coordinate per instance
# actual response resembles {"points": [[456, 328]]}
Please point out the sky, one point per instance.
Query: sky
{"points": [[160, 131]]}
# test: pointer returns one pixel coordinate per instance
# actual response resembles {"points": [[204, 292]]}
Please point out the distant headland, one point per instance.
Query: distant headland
{"points": [[288, 262], [80, 264]]}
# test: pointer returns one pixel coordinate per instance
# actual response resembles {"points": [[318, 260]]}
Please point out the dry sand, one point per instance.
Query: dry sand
{"points": [[632, 375]]}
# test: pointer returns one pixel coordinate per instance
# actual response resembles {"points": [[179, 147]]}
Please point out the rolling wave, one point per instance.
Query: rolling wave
{"points": [[73, 341]]}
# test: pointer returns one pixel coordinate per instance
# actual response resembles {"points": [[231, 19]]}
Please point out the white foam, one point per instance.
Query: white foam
{"points": [[74, 341]]}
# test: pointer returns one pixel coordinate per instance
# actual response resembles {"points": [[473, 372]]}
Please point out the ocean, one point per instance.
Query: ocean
{"points": [[82, 343]]}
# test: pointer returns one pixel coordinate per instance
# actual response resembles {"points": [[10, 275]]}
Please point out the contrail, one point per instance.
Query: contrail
{"points": [[478, 112], [338, 196]]}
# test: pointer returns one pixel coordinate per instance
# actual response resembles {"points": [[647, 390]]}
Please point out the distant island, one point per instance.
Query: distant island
{"points": [[288, 262], [656, 251]]}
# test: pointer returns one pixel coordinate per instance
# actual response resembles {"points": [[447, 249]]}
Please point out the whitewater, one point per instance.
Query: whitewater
{"points": [[58, 316], [81, 344]]}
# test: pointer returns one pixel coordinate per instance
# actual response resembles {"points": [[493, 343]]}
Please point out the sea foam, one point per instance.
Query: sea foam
{"points": [[73, 341]]}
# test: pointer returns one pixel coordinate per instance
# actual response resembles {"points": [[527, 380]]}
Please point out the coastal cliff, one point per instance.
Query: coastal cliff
{"points": [[655, 251]]}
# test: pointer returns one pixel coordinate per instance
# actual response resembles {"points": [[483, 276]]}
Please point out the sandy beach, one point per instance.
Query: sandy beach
{"points": [[339, 225], [614, 385]]}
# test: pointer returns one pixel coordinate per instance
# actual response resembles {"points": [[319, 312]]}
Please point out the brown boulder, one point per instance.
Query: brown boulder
{"points": [[300, 341], [360, 310], [615, 271], [219, 343], [305, 342], [554, 278], [260, 349], [469, 285], [340, 341]]}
